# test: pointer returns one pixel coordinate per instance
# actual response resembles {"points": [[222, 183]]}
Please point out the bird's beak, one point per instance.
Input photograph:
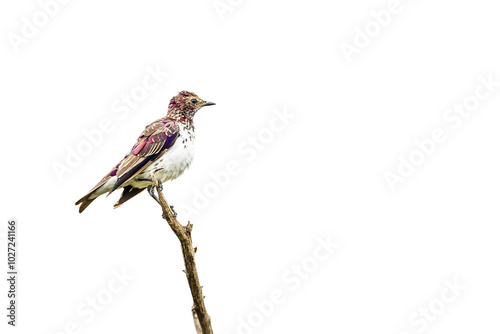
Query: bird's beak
{"points": [[208, 103]]}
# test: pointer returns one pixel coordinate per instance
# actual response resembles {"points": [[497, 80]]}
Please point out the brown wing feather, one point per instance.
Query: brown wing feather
{"points": [[150, 142], [131, 160]]}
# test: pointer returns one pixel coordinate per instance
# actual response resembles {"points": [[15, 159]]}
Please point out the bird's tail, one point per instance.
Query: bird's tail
{"points": [[128, 193], [84, 202], [101, 188], [90, 197]]}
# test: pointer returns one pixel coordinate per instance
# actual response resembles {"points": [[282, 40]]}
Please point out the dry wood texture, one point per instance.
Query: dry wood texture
{"points": [[200, 314]]}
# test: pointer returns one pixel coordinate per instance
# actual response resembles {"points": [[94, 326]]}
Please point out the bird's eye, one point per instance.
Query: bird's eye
{"points": [[194, 101]]}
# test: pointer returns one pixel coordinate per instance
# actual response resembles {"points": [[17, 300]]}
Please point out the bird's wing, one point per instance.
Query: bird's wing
{"points": [[158, 137]]}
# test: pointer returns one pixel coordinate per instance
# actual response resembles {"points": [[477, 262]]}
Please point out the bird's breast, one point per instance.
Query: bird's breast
{"points": [[175, 160]]}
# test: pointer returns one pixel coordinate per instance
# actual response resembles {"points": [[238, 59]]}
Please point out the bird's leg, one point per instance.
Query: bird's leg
{"points": [[151, 191], [160, 185]]}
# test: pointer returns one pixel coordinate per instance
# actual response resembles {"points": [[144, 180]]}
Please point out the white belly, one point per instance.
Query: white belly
{"points": [[172, 163]]}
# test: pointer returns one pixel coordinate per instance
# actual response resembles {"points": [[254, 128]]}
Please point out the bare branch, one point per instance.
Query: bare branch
{"points": [[197, 324], [183, 233]]}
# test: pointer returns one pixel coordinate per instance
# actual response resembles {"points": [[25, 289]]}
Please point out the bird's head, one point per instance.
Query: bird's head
{"points": [[184, 106]]}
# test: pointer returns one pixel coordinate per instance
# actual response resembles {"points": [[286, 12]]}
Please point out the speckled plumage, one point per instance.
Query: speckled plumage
{"points": [[165, 147]]}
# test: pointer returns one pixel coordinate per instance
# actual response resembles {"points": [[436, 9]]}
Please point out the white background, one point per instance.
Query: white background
{"points": [[321, 176]]}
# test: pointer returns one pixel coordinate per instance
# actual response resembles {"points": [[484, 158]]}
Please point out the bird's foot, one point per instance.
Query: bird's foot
{"points": [[160, 184], [173, 211]]}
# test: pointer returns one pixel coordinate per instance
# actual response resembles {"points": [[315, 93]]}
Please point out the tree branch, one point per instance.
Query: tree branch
{"points": [[183, 233]]}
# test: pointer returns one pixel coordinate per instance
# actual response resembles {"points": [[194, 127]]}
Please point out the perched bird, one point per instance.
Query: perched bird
{"points": [[165, 147]]}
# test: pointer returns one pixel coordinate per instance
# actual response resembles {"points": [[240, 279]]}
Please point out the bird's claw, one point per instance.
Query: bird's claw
{"points": [[173, 211], [160, 185]]}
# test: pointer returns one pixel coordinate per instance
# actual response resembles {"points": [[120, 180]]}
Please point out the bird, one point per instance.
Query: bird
{"points": [[164, 148]]}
